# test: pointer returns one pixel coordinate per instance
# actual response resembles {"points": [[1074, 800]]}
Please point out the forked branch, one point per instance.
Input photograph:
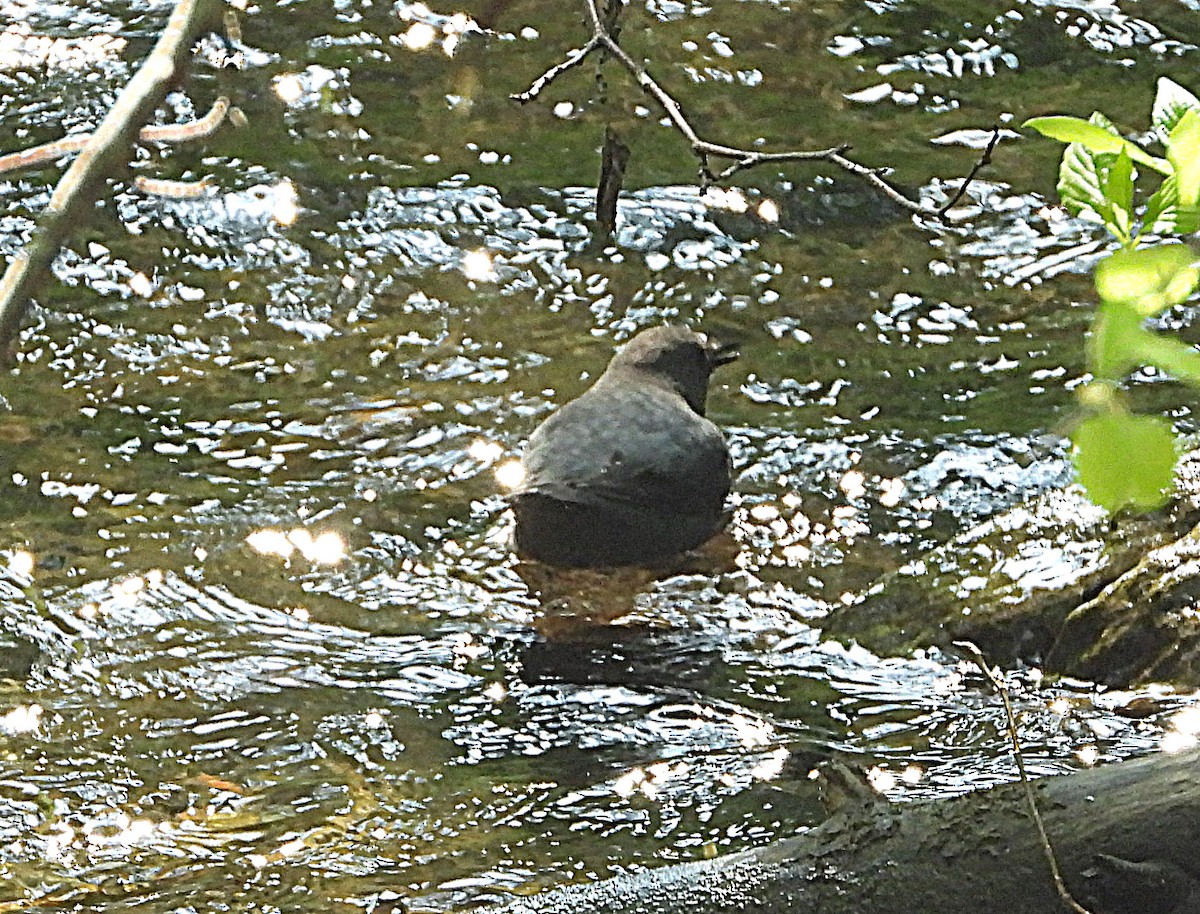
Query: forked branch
{"points": [[105, 151], [603, 40]]}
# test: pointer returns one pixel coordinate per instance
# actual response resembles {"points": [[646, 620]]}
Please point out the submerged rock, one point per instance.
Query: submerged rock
{"points": [[1057, 582]]}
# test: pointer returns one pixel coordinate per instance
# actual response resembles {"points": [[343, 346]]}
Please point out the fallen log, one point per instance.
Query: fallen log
{"points": [[1124, 835]]}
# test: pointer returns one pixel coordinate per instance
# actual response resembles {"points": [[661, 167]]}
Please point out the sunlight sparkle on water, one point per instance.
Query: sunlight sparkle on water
{"points": [[420, 35], [1173, 741], [466, 646], [627, 784], [288, 849], [125, 592], [731, 199], [477, 265], [853, 484], [21, 49], [1060, 706], [881, 779], [771, 766], [764, 513], [21, 563], [328, 548], [289, 88], [649, 781], [751, 733], [1183, 731], [485, 451], [60, 838], [130, 586], [285, 210], [141, 285], [1186, 721], [891, 491], [1088, 755], [510, 474], [21, 719], [270, 542], [119, 830]]}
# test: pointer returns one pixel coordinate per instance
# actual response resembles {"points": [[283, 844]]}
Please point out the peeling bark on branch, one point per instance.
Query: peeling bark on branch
{"points": [[106, 151], [152, 133]]}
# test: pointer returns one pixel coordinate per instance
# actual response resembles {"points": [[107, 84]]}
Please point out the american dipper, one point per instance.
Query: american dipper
{"points": [[631, 472]]}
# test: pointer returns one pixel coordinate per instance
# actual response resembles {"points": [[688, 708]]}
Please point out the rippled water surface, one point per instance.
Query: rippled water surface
{"points": [[264, 646]]}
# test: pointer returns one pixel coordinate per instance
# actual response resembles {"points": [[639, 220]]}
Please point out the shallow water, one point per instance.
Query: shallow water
{"points": [[266, 646]]}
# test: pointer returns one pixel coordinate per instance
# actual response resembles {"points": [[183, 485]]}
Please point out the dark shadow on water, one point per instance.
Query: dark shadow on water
{"points": [[636, 656]]}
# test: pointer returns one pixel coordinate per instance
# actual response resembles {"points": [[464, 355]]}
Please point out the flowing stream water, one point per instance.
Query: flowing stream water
{"points": [[264, 646]]}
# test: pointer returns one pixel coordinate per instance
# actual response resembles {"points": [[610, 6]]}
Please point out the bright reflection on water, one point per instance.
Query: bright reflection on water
{"points": [[262, 641]]}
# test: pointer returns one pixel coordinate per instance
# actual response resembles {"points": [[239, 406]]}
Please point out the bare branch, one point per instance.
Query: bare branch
{"points": [[985, 159], [603, 40], [105, 152], [180, 190], [153, 133], [1014, 738], [613, 159], [871, 176], [191, 130], [574, 59]]}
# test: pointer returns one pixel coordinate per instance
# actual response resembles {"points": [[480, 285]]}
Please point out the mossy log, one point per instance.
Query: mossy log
{"points": [[1058, 583], [1124, 835]]}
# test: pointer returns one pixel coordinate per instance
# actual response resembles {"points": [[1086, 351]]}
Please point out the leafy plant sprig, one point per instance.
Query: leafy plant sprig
{"points": [[1124, 459]]}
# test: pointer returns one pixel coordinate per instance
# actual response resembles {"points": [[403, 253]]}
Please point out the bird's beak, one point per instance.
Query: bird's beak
{"points": [[721, 354]]}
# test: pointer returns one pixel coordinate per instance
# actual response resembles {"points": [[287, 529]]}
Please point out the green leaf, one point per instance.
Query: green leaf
{"points": [[1183, 152], [1082, 177], [1076, 130], [1162, 208], [1125, 460], [1187, 220], [1164, 215], [1080, 183], [1172, 355], [1113, 345], [1094, 137], [1149, 280], [1171, 101], [1177, 220], [1117, 184]]}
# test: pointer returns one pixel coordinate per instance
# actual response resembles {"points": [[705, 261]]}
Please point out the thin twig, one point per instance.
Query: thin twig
{"points": [[190, 130], [573, 59], [106, 152], [152, 133], [985, 159], [1014, 739], [179, 190], [602, 39]]}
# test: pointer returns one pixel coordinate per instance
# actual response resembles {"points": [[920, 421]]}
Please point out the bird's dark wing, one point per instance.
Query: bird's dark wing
{"points": [[641, 446]]}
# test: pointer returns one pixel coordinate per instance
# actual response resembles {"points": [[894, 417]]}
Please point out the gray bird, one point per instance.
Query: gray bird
{"points": [[631, 472]]}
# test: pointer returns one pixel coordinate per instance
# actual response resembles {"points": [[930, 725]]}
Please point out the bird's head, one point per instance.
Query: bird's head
{"points": [[677, 357]]}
